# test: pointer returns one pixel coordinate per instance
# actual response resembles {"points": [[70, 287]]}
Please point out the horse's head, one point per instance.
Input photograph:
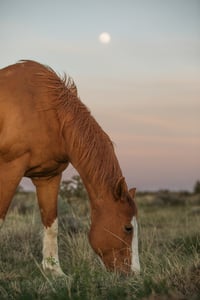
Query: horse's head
{"points": [[113, 233]]}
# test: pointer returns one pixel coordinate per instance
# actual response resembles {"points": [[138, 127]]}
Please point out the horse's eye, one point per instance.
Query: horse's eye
{"points": [[128, 228]]}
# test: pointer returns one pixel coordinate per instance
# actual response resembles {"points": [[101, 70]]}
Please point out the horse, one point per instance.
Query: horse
{"points": [[44, 126]]}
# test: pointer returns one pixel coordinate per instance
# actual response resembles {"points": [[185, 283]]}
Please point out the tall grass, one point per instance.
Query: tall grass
{"points": [[169, 254]]}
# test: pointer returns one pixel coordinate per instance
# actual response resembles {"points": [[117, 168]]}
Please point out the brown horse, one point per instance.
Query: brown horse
{"points": [[44, 127]]}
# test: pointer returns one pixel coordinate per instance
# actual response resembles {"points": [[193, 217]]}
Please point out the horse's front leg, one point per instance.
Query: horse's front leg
{"points": [[10, 175], [47, 193]]}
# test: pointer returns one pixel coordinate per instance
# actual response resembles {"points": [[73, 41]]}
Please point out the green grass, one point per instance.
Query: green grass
{"points": [[169, 254]]}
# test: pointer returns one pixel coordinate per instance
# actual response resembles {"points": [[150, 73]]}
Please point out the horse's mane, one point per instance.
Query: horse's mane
{"points": [[95, 149]]}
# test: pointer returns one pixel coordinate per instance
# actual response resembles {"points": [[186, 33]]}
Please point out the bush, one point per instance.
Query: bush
{"points": [[73, 188]]}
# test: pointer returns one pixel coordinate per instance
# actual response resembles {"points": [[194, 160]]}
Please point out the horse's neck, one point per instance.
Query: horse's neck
{"points": [[96, 187]]}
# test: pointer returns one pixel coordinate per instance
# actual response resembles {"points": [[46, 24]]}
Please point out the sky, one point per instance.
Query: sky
{"points": [[143, 87]]}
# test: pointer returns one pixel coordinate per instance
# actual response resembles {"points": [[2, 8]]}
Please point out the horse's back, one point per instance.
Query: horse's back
{"points": [[17, 101], [27, 121], [18, 86]]}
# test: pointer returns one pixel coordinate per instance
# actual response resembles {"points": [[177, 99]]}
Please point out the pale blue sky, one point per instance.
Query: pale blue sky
{"points": [[143, 87]]}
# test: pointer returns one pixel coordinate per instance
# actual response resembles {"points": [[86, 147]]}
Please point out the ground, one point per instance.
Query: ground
{"points": [[169, 227]]}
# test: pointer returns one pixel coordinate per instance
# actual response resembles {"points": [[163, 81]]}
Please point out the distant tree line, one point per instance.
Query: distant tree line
{"points": [[74, 187]]}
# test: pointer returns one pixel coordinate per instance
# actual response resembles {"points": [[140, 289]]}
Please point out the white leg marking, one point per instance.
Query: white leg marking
{"points": [[50, 261], [135, 263]]}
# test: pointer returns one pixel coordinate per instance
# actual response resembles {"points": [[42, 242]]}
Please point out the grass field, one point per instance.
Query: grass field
{"points": [[169, 253]]}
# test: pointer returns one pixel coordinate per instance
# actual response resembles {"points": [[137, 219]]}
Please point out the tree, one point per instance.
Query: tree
{"points": [[197, 187]]}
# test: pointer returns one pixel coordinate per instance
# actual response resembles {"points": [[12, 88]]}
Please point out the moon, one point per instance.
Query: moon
{"points": [[104, 38]]}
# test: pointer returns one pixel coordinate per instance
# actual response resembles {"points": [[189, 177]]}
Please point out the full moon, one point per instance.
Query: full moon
{"points": [[104, 37]]}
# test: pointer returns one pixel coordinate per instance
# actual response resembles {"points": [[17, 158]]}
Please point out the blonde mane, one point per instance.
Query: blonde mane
{"points": [[92, 144]]}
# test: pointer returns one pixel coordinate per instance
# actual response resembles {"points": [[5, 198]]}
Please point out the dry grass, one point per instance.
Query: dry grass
{"points": [[169, 247]]}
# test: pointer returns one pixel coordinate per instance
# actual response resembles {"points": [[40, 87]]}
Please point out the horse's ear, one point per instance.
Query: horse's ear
{"points": [[132, 192], [120, 189]]}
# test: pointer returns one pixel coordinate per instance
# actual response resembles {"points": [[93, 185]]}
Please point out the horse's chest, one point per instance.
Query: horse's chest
{"points": [[46, 169]]}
